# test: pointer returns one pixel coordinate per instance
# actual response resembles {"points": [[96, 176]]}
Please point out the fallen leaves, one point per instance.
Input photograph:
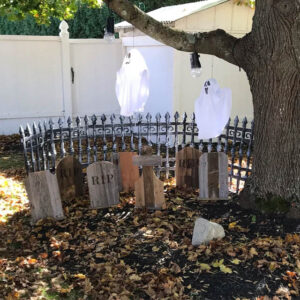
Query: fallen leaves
{"points": [[223, 268], [13, 197], [119, 253], [293, 238], [236, 261], [204, 267]]}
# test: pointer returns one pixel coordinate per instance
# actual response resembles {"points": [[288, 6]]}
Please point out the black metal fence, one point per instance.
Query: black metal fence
{"points": [[95, 138]]}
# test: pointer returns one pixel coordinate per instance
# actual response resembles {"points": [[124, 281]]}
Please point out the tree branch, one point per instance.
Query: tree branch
{"points": [[217, 42]]}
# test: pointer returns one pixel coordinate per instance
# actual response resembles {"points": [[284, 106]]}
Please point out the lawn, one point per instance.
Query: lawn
{"points": [[123, 253]]}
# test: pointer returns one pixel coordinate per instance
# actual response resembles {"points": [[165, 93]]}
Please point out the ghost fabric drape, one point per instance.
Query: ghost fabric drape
{"points": [[212, 109], [132, 85]]}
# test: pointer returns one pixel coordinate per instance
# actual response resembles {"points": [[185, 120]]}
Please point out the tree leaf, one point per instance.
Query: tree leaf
{"points": [[204, 267], [236, 261], [225, 269]]}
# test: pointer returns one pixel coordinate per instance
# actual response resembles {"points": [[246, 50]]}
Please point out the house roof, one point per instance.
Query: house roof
{"points": [[169, 14]]}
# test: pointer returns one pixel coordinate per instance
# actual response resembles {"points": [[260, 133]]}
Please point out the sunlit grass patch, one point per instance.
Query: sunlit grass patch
{"points": [[13, 197], [11, 160]]}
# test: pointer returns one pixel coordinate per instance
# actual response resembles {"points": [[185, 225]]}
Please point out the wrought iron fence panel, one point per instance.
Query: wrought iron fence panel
{"points": [[95, 138]]}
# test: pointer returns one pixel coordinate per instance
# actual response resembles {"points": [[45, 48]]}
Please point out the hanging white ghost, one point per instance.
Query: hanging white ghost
{"points": [[212, 109], [132, 85]]}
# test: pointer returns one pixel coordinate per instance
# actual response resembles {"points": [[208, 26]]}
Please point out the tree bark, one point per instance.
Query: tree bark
{"points": [[270, 55], [272, 66], [217, 42]]}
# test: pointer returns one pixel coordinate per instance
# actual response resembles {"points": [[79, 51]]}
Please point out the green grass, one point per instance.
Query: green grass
{"points": [[11, 160]]}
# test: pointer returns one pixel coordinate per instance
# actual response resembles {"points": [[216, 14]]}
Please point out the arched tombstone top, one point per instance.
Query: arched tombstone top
{"points": [[103, 184], [63, 27], [69, 176]]}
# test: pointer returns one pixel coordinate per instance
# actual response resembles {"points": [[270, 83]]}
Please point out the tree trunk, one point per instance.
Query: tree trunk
{"points": [[272, 66], [270, 55]]}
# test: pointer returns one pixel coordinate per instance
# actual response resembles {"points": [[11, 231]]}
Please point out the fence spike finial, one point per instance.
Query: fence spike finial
{"points": [[103, 118], [140, 117], [236, 121], [21, 131], [51, 123], [167, 116], [112, 117], [28, 129], [94, 119], [34, 128], [69, 121], [176, 116], [78, 121], [60, 122]]}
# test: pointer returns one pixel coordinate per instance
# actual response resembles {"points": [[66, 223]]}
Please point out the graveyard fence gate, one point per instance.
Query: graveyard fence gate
{"points": [[96, 138]]}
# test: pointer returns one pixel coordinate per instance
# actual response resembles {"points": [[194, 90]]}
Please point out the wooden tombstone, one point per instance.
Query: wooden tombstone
{"points": [[149, 190], [213, 176], [103, 184], [69, 177], [187, 167], [129, 171], [44, 196], [115, 159]]}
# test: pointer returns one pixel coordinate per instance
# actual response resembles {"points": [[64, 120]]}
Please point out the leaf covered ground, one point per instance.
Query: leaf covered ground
{"points": [[123, 253]]}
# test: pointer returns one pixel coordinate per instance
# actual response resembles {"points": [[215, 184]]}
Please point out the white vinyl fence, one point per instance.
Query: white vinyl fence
{"points": [[44, 77]]}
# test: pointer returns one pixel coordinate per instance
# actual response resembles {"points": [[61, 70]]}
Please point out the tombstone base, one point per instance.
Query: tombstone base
{"points": [[149, 193]]}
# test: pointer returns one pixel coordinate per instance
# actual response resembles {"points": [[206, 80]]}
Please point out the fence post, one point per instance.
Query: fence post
{"points": [[176, 118], [184, 131], [87, 137], [94, 122], [193, 130], [131, 133], [78, 124], [235, 124], [47, 146], [42, 145], [157, 118], [66, 69], [148, 118], [52, 145], [249, 150], [37, 146], [114, 145], [22, 134], [167, 117], [241, 152], [122, 118], [70, 129], [139, 125], [33, 162], [62, 144], [104, 148]]}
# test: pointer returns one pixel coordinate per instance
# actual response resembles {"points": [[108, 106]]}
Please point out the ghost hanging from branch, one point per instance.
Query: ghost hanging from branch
{"points": [[132, 85], [212, 109]]}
